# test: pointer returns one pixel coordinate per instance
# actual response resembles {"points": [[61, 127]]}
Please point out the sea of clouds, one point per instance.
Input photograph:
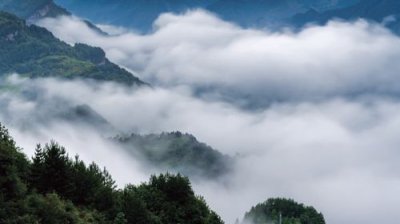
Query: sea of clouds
{"points": [[311, 115]]}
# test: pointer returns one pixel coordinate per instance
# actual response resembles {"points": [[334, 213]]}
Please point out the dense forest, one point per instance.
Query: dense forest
{"points": [[34, 52], [53, 188], [177, 152]]}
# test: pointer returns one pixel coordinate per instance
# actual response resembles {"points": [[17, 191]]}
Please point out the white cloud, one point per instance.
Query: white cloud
{"points": [[113, 30], [199, 50], [339, 155]]}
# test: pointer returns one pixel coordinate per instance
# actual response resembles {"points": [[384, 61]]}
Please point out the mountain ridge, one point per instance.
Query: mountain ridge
{"points": [[178, 152], [385, 12], [140, 14], [32, 51], [32, 10]]}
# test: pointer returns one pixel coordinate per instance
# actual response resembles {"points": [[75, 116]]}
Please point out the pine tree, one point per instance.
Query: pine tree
{"points": [[52, 171]]}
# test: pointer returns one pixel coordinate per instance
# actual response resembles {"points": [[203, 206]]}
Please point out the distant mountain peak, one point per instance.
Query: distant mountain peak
{"points": [[32, 10], [49, 9]]}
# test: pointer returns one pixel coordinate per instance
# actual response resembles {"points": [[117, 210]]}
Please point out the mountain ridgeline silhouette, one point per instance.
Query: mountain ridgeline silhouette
{"points": [[140, 14], [386, 12]]}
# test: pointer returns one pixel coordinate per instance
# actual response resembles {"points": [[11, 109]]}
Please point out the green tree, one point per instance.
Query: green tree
{"points": [[289, 211], [13, 167], [61, 190], [170, 199], [52, 170]]}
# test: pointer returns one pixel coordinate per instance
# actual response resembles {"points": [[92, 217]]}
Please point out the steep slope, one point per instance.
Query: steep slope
{"points": [[380, 11], [177, 152], [32, 10], [32, 51]]}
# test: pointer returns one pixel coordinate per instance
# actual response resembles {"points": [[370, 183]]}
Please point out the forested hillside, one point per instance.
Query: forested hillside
{"points": [[283, 211], [177, 152], [33, 52], [53, 188]]}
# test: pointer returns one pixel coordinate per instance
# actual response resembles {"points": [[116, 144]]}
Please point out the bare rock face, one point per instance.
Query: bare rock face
{"points": [[41, 13], [50, 9], [11, 36], [32, 10]]}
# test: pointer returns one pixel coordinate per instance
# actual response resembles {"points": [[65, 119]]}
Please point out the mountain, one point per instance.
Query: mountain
{"points": [[280, 210], [386, 12], [53, 188], [269, 13], [33, 52], [84, 115], [177, 152], [140, 14], [32, 10], [137, 14], [274, 14]]}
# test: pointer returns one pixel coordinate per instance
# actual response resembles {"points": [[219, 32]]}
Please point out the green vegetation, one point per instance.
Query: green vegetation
{"points": [[33, 52], [286, 210], [178, 152], [52, 188]]}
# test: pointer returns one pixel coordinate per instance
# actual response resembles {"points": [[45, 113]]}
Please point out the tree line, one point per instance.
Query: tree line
{"points": [[55, 188]]}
